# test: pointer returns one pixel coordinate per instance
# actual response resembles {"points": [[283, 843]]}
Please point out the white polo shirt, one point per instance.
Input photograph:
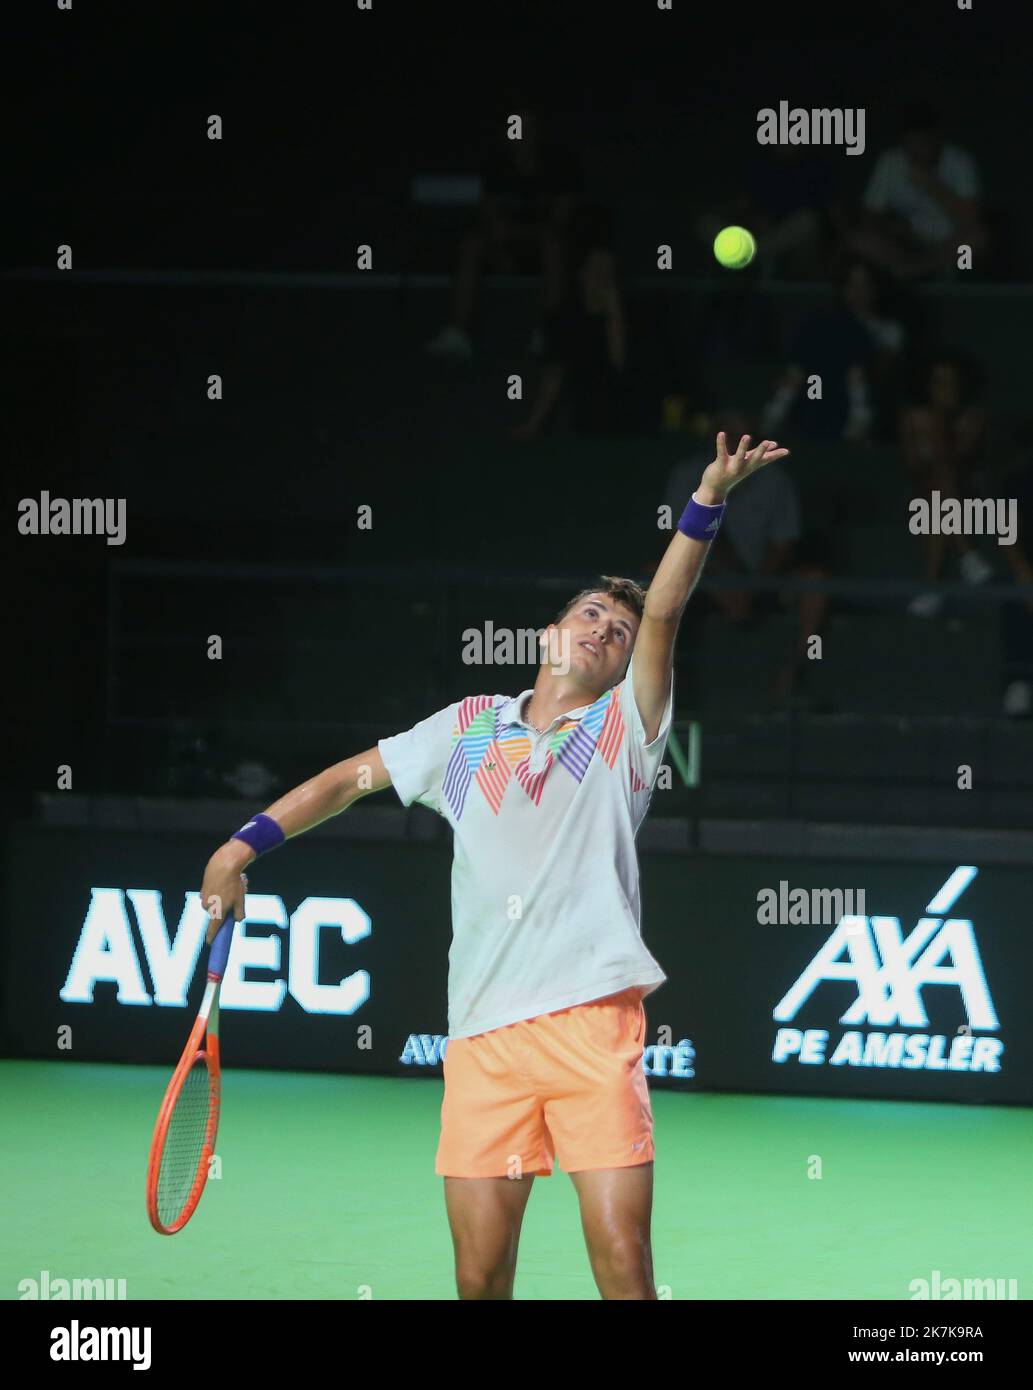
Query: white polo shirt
{"points": [[545, 897]]}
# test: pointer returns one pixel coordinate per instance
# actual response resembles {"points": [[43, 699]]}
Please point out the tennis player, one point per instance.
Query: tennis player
{"points": [[545, 792]]}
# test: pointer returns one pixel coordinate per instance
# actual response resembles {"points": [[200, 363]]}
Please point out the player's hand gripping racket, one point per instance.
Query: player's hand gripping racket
{"points": [[184, 1137]]}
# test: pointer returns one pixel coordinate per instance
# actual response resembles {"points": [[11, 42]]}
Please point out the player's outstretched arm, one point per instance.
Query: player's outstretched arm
{"points": [[313, 802], [680, 568]]}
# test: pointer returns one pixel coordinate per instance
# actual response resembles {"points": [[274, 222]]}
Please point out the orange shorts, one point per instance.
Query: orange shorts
{"points": [[570, 1083]]}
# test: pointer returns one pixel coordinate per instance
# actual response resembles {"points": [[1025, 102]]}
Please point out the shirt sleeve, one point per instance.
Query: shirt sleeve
{"points": [[645, 757], [416, 759]]}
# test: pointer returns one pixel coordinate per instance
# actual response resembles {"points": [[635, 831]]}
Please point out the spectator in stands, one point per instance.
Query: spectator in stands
{"points": [[787, 189], [1018, 616], [585, 335], [942, 436], [922, 202], [854, 348], [761, 535], [528, 192]]}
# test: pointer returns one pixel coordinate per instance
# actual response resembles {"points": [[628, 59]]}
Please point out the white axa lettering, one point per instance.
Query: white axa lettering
{"points": [[889, 971]]}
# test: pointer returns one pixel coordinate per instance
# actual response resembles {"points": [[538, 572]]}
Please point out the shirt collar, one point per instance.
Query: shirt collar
{"points": [[509, 713]]}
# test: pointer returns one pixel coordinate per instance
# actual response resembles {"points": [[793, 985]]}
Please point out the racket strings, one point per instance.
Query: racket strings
{"points": [[185, 1143]]}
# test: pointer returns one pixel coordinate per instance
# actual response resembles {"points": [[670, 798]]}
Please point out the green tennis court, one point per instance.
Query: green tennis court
{"points": [[328, 1191]]}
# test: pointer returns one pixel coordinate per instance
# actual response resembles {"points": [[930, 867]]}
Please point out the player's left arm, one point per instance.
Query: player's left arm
{"points": [[676, 577]]}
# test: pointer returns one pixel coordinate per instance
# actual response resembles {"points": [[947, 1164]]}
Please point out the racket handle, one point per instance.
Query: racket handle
{"points": [[220, 951]]}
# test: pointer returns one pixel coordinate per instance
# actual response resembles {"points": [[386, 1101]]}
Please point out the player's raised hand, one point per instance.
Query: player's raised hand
{"points": [[728, 470]]}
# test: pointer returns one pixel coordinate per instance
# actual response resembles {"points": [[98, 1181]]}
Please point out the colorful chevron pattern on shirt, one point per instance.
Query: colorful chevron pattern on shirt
{"points": [[485, 752]]}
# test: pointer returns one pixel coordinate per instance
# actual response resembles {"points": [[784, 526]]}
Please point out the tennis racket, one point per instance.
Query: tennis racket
{"points": [[184, 1136]]}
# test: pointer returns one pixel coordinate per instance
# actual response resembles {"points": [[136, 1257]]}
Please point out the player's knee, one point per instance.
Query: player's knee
{"points": [[475, 1280], [622, 1266]]}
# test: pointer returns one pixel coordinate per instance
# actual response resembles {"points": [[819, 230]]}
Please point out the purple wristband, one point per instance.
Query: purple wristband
{"points": [[261, 833], [699, 522]]}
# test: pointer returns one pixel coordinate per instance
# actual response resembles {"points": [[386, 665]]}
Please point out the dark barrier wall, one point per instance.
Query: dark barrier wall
{"points": [[920, 989]]}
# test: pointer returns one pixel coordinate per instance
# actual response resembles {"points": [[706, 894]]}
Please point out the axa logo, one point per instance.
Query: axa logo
{"points": [[891, 969]]}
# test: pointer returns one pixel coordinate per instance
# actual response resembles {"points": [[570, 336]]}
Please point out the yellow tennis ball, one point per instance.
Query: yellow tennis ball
{"points": [[734, 247]]}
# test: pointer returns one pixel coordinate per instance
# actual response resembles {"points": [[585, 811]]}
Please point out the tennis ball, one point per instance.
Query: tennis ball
{"points": [[734, 247]]}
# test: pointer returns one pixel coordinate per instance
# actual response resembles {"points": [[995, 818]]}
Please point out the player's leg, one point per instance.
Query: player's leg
{"points": [[492, 1124], [616, 1208], [599, 1114], [485, 1216]]}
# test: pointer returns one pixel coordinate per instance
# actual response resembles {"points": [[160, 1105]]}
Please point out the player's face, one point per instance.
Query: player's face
{"points": [[602, 634]]}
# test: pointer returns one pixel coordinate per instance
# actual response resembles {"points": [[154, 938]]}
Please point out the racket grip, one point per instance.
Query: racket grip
{"points": [[220, 951]]}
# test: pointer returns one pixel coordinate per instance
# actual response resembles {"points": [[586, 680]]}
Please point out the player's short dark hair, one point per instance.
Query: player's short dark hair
{"points": [[619, 590]]}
